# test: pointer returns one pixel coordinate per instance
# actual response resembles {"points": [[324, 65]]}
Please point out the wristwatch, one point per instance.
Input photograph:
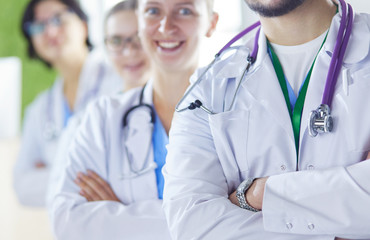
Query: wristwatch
{"points": [[240, 195]]}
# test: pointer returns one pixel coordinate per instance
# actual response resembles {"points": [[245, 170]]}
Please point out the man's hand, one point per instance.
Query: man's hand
{"points": [[254, 194], [94, 188], [233, 199]]}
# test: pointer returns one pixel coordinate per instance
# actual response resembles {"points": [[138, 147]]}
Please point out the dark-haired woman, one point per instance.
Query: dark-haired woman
{"points": [[56, 33]]}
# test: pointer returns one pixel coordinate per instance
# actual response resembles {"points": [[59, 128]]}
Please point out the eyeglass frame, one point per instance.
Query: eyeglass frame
{"points": [[133, 40], [55, 20]]}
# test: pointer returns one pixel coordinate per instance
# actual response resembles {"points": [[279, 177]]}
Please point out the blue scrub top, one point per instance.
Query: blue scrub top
{"points": [[67, 113], [159, 140]]}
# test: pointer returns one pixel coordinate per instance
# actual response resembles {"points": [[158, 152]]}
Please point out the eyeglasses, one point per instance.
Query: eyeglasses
{"points": [[118, 43], [38, 27]]}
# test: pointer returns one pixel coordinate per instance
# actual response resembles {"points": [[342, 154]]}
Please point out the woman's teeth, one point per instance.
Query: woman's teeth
{"points": [[169, 45]]}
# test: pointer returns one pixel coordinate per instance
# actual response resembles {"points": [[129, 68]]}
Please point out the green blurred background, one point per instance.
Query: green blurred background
{"points": [[35, 75]]}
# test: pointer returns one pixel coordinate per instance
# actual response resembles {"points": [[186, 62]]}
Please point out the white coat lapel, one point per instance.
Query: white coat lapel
{"points": [[261, 82], [263, 85], [139, 133], [260, 90], [139, 138], [89, 80], [358, 45], [238, 60], [53, 122], [56, 103], [138, 149]]}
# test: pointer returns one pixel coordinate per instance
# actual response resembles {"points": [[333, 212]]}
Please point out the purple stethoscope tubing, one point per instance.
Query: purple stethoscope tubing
{"points": [[338, 53], [239, 36], [320, 120], [344, 33], [251, 58]]}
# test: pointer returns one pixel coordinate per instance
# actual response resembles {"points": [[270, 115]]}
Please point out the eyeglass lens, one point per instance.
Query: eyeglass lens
{"points": [[119, 43], [38, 27]]}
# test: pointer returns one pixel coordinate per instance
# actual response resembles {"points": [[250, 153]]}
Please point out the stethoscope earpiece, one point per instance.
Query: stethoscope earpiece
{"points": [[320, 121]]}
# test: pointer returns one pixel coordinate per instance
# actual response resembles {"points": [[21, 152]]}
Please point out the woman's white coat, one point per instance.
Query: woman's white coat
{"points": [[102, 144], [44, 123]]}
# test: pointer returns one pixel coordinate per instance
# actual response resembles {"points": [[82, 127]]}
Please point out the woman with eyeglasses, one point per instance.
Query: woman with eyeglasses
{"points": [[56, 33], [124, 51], [123, 45], [113, 186]]}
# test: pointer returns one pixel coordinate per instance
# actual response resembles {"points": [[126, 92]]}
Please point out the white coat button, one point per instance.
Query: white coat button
{"points": [[283, 167], [311, 226], [289, 225], [311, 167]]}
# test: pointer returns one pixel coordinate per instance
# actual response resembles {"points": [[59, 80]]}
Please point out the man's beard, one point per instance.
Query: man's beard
{"points": [[280, 9]]}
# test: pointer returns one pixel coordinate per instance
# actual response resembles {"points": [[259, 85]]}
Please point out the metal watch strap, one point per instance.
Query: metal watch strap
{"points": [[240, 195]]}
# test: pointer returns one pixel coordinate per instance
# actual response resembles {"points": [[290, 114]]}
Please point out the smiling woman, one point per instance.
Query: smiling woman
{"points": [[113, 178], [176, 28], [123, 44], [49, 30], [57, 35]]}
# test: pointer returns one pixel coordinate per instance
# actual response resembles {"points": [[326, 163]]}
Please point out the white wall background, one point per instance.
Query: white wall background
{"points": [[360, 5], [10, 96]]}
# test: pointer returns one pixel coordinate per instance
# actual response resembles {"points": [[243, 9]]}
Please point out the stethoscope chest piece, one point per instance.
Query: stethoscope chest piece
{"points": [[50, 132], [320, 121]]}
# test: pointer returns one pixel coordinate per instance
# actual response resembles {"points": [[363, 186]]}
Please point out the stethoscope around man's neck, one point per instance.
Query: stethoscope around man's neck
{"points": [[320, 120]]}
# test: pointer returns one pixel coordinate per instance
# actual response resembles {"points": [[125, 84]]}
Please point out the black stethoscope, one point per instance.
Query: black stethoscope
{"points": [[140, 104], [147, 166], [320, 120]]}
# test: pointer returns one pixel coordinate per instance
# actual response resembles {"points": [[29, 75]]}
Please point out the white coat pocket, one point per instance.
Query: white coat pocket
{"points": [[230, 135]]}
